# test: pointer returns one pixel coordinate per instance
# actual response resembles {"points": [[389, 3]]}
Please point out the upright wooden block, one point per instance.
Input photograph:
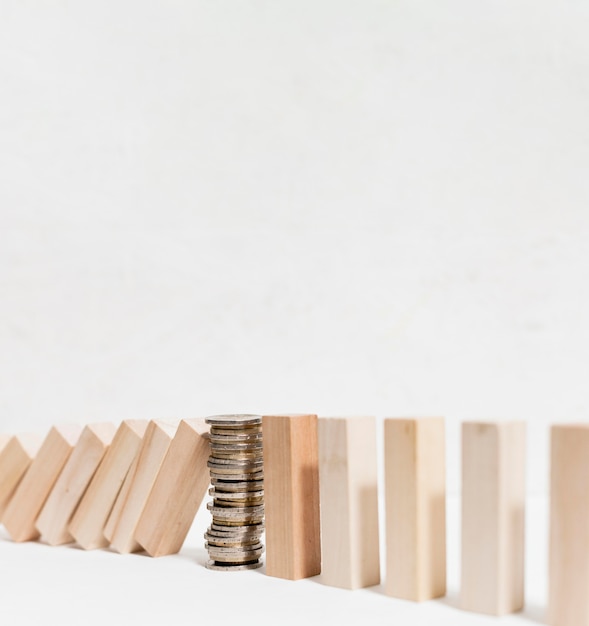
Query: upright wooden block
{"points": [[15, 458], [493, 516], [177, 492], [568, 587], [53, 521], [122, 523], [415, 507], [30, 495], [291, 496], [87, 524], [348, 485]]}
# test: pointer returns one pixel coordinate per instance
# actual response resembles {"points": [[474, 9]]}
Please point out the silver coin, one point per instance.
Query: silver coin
{"points": [[233, 510], [227, 522], [236, 436], [235, 485], [238, 548], [242, 419], [233, 568], [250, 463], [222, 529], [234, 446], [218, 492], [233, 557]]}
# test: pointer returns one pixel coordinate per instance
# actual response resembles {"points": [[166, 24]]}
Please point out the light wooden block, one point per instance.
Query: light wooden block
{"points": [[54, 518], [177, 492], [348, 487], [415, 508], [15, 458], [126, 513], [568, 587], [87, 524], [291, 496], [493, 516], [4, 439], [32, 492]]}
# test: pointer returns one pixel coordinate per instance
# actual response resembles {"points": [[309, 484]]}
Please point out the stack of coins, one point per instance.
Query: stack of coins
{"points": [[234, 538]]}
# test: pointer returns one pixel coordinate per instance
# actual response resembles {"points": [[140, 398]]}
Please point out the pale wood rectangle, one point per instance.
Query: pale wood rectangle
{"points": [[493, 516], [54, 518], [87, 524], [415, 508], [126, 513], [15, 458], [177, 492], [291, 496], [30, 495], [4, 439], [348, 484]]}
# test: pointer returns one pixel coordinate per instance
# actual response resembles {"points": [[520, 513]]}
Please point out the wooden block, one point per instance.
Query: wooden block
{"points": [[177, 492], [348, 485], [4, 439], [568, 587], [53, 521], [88, 522], [415, 507], [291, 496], [122, 523], [32, 492], [15, 458], [493, 516]]}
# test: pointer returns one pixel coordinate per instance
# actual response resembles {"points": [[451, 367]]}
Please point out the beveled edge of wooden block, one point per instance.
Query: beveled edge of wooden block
{"points": [[29, 443], [169, 427], [69, 431], [137, 426], [196, 424], [104, 431]]}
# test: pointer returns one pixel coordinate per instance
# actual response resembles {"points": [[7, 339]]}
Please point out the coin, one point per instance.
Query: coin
{"points": [[240, 420], [226, 567]]}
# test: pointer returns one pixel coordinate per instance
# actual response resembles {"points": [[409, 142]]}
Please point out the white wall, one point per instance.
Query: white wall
{"points": [[375, 207]]}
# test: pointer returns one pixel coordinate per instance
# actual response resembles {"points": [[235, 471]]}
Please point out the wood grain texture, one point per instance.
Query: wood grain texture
{"points": [[291, 496], [91, 515], [493, 516], [53, 520], [29, 497], [122, 522], [15, 458], [568, 587], [177, 492], [415, 507], [348, 486]]}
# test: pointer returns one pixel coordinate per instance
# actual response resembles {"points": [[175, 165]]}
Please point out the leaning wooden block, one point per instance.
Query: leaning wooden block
{"points": [[568, 587], [493, 516], [4, 439], [15, 458], [88, 521], [415, 507], [126, 513], [72, 483], [291, 496], [32, 492], [348, 483], [177, 492]]}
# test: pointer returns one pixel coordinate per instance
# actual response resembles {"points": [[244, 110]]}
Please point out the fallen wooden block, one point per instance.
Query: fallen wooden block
{"points": [[348, 485], [493, 515], [32, 492], [72, 483], [415, 507], [126, 513], [88, 522], [568, 587], [15, 458], [177, 492], [291, 496]]}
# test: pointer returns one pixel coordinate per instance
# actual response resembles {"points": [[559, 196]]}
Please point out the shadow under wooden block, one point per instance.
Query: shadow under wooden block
{"points": [[177, 492], [32, 492], [348, 485], [126, 513], [53, 520], [568, 588], [291, 496], [87, 524], [15, 458], [493, 512], [415, 506]]}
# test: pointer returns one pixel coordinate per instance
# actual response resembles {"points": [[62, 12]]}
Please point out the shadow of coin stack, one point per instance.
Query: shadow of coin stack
{"points": [[234, 538]]}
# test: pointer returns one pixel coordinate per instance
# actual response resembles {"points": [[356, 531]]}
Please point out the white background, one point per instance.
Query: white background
{"points": [[344, 208]]}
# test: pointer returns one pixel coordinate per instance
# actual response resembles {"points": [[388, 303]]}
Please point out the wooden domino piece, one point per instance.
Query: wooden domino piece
{"points": [[15, 458], [130, 503], [177, 492], [415, 508], [493, 516], [54, 518], [32, 491], [4, 439], [291, 496], [348, 487], [87, 524], [568, 587]]}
